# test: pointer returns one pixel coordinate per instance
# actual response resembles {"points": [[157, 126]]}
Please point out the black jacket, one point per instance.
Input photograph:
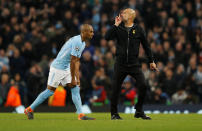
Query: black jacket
{"points": [[128, 43]]}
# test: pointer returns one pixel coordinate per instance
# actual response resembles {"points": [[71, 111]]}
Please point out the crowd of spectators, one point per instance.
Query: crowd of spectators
{"points": [[32, 33]]}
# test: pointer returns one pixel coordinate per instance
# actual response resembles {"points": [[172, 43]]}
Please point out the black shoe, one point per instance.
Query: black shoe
{"points": [[116, 117], [86, 118], [141, 115]]}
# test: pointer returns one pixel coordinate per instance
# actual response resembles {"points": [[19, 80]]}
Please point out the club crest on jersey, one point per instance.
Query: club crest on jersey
{"points": [[77, 48], [133, 31]]}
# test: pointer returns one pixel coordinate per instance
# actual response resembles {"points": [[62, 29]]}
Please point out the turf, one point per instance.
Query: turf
{"points": [[69, 122]]}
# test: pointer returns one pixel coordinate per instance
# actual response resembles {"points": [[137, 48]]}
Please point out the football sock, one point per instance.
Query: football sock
{"points": [[41, 98], [77, 99]]}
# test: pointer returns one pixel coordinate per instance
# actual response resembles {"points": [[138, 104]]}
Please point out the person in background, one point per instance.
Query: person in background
{"points": [[179, 97], [159, 97], [58, 98], [128, 92], [198, 80], [13, 97], [4, 61], [4, 88]]}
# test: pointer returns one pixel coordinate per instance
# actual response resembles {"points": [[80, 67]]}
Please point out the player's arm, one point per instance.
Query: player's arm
{"points": [[74, 68], [77, 65]]}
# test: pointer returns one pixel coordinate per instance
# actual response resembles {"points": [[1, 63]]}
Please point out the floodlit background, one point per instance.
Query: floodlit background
{"points": [[32, 33]]}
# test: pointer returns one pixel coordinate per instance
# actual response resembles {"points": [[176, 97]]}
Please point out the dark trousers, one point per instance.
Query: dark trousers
{"points": [[120, 72]]}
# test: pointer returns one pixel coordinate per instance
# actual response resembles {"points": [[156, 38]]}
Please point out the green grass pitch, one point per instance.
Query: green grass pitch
{"points": [[69, 122]]}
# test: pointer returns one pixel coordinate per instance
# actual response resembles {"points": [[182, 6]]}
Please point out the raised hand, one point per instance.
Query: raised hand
{"points": [[153, 67], [118, 20]]}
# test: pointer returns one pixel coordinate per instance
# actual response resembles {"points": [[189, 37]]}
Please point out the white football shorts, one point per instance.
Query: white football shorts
{"points": [[58, 77]]}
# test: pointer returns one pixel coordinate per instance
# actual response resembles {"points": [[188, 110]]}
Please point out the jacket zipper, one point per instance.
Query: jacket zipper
{"points": [[127, 46]]}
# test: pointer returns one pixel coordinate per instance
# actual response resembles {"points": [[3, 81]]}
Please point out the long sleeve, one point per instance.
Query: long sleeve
{"points": [[111, 33], [146, 46]]}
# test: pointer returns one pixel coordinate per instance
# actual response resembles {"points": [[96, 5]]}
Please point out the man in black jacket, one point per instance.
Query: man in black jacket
{"points": [[129, 36]]}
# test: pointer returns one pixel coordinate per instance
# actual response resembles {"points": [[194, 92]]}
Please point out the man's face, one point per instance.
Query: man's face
{"points": [[200, 68], [89, 33], [127, 85], [124, 15]]}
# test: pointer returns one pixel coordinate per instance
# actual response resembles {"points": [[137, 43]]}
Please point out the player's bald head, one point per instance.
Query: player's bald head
{"points": [[86, 31], [85, 28], [130, 12]]}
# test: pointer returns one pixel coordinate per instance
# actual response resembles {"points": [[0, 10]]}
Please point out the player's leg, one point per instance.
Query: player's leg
{"points": [[118, 77], [53, 82], [74, 90], [40, 99], [142, 89], [76, 98]]}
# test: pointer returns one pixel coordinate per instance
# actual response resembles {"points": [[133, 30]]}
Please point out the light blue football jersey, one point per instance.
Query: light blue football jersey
{"points": [[74, 46]]}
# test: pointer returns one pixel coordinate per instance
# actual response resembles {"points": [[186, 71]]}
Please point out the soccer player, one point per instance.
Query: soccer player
{"points": [[64, 70]]}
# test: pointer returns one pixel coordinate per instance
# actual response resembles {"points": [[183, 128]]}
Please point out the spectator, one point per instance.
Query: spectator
{"points": [[22, 89], [100, 79], [28, 54], [169, 83], [159, 97], [180, 76], [2, 46], [128, 92], [32, 33], [179, 97], [153, 82], [58, 98], [88, 66], [99, 95], [4, 88], [87, 71], [42, 48], [34, 82], [191, 69], [4, 61], [145, 71], [17, 63], [110, 62], [198, 80], [13, 97]]}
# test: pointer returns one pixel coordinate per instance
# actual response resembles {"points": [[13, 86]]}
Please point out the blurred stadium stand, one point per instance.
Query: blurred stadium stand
{"points": [[32, 33]]}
